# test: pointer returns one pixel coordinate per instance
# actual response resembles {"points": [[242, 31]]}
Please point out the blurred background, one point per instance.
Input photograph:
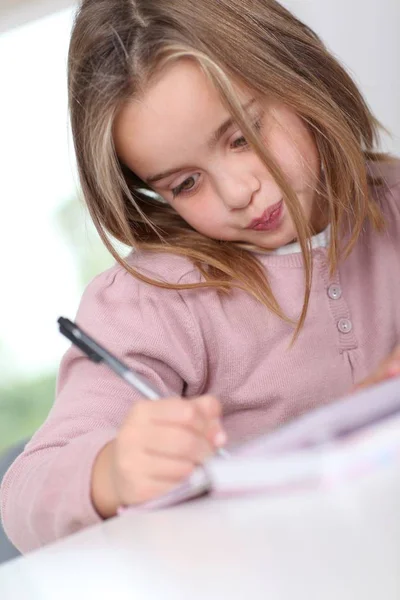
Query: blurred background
{"points": [[49, 250]]}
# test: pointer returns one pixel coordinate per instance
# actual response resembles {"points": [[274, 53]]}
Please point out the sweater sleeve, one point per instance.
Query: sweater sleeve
{"points": [[45, 495]]}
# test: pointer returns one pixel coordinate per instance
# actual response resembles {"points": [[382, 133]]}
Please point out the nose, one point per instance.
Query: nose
{"points": [[237, 189]]}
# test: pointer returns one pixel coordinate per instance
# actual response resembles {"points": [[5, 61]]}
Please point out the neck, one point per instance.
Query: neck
{"points": [[319, 216]]}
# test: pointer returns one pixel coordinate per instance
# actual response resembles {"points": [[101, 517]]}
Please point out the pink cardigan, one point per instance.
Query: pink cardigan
{"points": [[192, 342]]}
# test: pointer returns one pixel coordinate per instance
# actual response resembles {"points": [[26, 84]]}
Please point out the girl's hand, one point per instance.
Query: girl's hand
{"points": [[158, 446], [388, 369]]}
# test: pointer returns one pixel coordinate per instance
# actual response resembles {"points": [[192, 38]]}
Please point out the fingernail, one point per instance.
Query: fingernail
{"points": [[220, 439], [394, 369]]}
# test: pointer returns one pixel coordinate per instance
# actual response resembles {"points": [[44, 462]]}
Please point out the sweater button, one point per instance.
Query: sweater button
{"points": [[345, 325], [334, 292]]}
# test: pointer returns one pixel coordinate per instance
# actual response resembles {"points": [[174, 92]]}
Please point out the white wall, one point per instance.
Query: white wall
{"points": [[37, 177], [365, 35], [14, 13]]}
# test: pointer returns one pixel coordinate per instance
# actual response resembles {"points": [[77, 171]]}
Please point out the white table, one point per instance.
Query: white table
{"points": [[342, 545]]}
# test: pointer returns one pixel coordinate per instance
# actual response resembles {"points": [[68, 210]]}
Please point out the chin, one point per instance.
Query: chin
{"points": [[278, 241], [286, 238]]}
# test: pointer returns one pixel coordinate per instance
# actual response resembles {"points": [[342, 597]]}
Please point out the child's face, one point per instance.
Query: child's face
{"points": [[218, 185]]}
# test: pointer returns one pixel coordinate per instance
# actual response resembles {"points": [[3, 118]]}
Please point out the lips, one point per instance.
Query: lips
{"points": [[267, 216]]}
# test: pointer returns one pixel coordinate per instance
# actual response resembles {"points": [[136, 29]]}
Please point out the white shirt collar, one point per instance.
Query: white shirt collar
{"points": [[321, 240]]}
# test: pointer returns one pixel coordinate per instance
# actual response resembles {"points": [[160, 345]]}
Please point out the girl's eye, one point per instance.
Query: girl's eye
{"points": [[185, 187], [241, 142]]}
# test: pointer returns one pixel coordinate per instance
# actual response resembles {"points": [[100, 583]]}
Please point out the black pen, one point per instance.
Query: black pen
{"points": [[98, 354]]}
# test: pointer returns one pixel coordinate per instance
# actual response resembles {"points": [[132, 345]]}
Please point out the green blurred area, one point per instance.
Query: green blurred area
{"points": [[24, 406], [25, 402]]}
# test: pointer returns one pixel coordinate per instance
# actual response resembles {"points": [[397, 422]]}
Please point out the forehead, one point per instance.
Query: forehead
{"points": [[172, 121]]}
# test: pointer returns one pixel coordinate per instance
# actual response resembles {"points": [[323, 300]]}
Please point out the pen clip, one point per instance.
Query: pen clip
{"points": [[67, 331]]}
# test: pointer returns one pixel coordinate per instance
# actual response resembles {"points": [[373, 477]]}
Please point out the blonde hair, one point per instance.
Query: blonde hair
{"points": [[118, 46]]}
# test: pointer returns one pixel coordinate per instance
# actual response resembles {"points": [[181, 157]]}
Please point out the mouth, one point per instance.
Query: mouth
{"points": [[269, 220]]}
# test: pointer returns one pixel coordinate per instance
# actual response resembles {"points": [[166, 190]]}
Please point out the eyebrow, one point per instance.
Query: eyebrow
{"points": [[212, 142]]}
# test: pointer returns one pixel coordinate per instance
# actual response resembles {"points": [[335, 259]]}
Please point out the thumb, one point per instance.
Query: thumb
{"points": [[209, 407]]}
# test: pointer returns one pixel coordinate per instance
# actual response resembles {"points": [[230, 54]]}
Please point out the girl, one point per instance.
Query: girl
{"points": [[224, 144]]}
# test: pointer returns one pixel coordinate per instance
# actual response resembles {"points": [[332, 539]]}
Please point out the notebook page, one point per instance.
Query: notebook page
{"points": [[377, 447]]}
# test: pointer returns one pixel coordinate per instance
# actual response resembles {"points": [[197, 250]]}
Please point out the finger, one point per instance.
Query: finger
{"points": [[216, 434], [167, 469], [177, 442], [393, 367], [209, 406], [148, 489], [391, 362], [171, 411], [390, 367]]}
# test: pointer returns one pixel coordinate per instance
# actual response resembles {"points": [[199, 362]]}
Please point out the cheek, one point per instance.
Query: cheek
{"points": [[202, 214], [207, 216], [293, 147], [296, 158]]}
